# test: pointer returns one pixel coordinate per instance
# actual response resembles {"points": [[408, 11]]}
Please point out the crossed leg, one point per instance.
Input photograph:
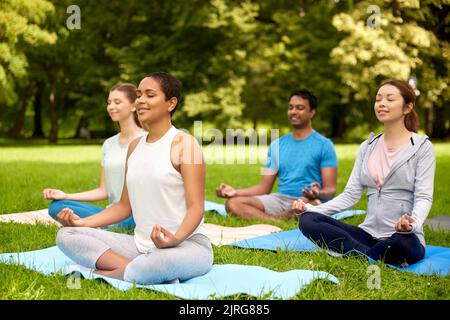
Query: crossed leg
{"points": [[111, 264], [108, 253], [249, 208]]}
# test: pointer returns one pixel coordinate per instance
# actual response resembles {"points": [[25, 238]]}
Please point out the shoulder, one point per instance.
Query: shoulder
{"points": [[322, 141], [111, 141], [133, 144], [369, 141], [186, 149], [182, 138], [281, 140], [317, 137], [426, 147]]}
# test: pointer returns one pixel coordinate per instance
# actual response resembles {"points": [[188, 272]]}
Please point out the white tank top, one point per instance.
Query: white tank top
{"points": [[155, 190], [114, 156]]}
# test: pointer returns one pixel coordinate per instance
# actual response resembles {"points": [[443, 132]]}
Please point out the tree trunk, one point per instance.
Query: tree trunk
{"points": [[337, 125], [447, 136], [37, 130], [254, 123], [439, 130], [16, 131], [429, 120], [53, 136]]}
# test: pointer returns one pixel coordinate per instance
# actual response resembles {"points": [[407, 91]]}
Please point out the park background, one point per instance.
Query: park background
{"points": [[238, 62]]}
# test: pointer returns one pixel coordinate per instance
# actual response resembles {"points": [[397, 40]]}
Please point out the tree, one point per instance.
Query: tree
{"points": [[404, 44], [21, 30]]}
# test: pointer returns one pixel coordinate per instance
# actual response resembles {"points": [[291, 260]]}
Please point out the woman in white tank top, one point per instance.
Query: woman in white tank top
{"points": [[163, 190], [121, 109]]}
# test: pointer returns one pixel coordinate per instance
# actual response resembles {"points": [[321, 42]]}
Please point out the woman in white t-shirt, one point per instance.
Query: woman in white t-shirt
{"points": [[164, 190], [121, 109]]}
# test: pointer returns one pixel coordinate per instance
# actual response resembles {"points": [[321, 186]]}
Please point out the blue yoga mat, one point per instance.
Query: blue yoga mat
{"points": [[436, 261], [222, 281], [217, 207], [220, 209]]}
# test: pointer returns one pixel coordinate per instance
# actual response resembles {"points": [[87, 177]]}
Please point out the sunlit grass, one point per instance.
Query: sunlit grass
{"points": [[26, 170]]}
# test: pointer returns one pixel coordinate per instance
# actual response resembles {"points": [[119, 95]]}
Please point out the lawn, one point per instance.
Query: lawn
{"points": [[25, 170]]}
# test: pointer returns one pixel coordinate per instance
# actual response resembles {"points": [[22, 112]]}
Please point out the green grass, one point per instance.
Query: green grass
{"points": [[26, 169]]}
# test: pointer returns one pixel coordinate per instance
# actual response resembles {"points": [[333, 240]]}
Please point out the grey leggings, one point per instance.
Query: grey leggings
{"points": [[192, 258]]}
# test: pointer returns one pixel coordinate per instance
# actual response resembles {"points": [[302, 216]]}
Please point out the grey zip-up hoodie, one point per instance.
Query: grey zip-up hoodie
{"points": [[407, 188]]}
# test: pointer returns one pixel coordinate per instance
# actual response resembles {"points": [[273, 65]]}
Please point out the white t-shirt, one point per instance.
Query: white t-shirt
{"points": [[114, 156]]}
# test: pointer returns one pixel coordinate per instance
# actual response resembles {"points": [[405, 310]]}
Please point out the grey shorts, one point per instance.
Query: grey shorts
{"points": [[276, 203]]}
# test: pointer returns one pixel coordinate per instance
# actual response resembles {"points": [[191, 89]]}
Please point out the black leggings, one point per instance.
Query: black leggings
{"points": [[337, 236]]}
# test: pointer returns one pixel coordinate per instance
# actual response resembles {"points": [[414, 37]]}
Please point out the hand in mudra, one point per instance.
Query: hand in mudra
{"points": [[54, 194], [225, 191], [163, 238], [298, 206], [69, 219], [404, 223], [312, 192]]}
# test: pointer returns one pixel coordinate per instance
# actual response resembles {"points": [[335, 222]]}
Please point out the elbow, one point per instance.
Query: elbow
{"points": [[124, 208], [197, 209], [333, 191], [103, 193], [329, 191], [265, 189]]}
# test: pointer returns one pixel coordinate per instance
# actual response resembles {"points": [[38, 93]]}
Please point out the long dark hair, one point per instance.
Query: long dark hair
{"points": [[130, 92], [409, 96]]}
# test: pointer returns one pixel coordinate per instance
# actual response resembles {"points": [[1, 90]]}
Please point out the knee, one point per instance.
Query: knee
{"points": [[404, 241], [149, 273], [307, 220], [62, 236], [232, 205], [55, 207]]}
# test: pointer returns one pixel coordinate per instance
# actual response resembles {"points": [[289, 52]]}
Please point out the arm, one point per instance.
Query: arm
{"points": [[329, 177], [351, 194], [423, 185], [111, 215], [328, 171], [269, 175], [263, 187], [97, 194]]}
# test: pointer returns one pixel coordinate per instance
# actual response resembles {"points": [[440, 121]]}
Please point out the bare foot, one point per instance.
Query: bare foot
{"points": [[289, 214]]}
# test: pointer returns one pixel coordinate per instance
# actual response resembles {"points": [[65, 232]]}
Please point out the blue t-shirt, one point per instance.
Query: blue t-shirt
{"points": [[298, 162]]}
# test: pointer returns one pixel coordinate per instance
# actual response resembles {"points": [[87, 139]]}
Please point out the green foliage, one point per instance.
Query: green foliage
{"points": [[238, 60], [21, 26], [406, 43]]}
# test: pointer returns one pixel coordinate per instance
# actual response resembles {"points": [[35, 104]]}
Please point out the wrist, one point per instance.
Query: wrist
{"points": [[177, 239]]}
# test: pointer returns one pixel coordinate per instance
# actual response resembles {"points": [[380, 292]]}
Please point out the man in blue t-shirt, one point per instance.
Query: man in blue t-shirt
{"points": [[304, 162]]}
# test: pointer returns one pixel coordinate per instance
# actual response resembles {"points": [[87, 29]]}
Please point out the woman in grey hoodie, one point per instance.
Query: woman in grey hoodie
{"points": [[397, 168]]}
